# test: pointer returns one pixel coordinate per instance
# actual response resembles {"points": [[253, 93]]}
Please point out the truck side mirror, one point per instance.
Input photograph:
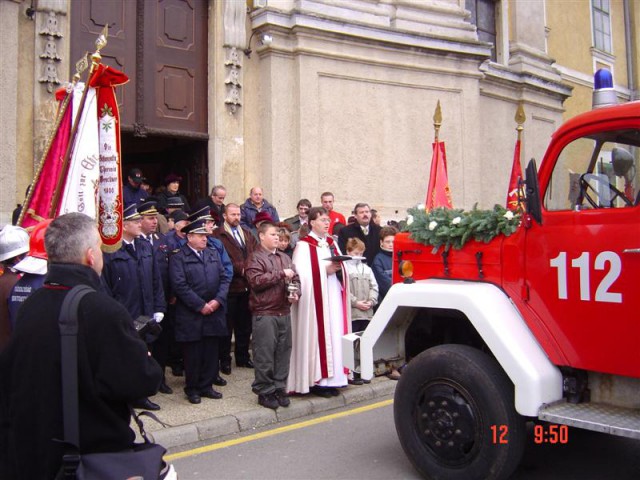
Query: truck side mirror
{"points": [[534, 205]]}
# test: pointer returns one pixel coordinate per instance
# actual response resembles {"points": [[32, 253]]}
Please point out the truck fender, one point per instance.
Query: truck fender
{"points": [[537, 381]]}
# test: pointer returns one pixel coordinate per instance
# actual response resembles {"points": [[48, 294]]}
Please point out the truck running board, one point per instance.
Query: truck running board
{"points": [[599, 417]]}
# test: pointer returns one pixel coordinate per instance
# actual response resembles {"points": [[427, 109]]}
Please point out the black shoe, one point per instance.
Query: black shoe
{"points": [[367, 382], [268, 401], [334, 392], [145, 404], [282, 397], [321, 391], [211, 393], [225, 367], [177, 371], [219, 381], [194, 398], [164, 388], [247, 364], [356, 381]]}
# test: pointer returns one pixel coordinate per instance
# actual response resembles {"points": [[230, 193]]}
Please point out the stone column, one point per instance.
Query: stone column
{"points": [[9, 12]]}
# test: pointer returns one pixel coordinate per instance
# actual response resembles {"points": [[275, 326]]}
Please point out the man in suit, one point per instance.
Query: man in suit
{"points": [[215, 202], [365, 230], [239, 243]]}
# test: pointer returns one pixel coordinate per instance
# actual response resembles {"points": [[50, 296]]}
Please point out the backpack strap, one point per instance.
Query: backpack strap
{"points": [[68, 323]]}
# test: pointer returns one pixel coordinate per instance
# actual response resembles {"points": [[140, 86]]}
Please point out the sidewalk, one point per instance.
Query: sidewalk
{"points": [[238, 410]]}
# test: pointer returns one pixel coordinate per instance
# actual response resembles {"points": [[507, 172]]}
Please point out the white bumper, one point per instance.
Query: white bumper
{"points": [[537, 381]]}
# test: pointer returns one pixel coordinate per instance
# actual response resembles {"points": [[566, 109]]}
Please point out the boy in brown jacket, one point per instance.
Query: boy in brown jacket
{"points": [[269, 273]]}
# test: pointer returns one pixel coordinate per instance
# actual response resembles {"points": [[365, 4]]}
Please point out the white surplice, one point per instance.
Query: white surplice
{"points": [[305, 369]]}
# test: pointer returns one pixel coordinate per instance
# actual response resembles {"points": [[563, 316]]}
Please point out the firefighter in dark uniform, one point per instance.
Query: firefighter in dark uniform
{"points": [[200, 283], [212, 242], [131, 275]]}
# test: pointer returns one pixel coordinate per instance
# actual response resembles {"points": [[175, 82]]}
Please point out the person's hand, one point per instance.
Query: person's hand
{"points": [[206, 310], [214, 304], [158, 316], [294, 298], [288, 273], [333, 267], [362, 305]]}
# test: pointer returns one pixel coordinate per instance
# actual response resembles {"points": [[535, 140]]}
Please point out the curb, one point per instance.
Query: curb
{"points": [[213, 428]]}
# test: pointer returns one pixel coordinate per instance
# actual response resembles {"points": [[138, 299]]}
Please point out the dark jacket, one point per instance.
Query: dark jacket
{"points": [[382, 270], [163, 200], [371, 241], [293, 222], [238, 256], [28, 283], [169, 245], [248, 212], [196, 281], [7, 280], [265, 274], [135, 281], [133, 196], [114, 368]]}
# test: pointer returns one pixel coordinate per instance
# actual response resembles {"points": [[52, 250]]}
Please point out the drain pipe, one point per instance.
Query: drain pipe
{"points": [[631, 66]]}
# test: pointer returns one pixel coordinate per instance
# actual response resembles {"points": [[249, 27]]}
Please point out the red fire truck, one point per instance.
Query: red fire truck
{"points": [[540, 325]]}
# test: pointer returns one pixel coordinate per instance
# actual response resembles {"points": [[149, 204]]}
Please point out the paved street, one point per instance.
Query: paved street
{"points": [[357, 442]]}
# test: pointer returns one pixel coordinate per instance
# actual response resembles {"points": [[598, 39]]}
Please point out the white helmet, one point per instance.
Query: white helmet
{"points": [[13, 242]]}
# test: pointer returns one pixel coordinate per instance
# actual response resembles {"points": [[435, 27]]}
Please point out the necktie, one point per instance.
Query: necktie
{"points": [[238, 237], [150, 238], [365, 230], [130, 248]]}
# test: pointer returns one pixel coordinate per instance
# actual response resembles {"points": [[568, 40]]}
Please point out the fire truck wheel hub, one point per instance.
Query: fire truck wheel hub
{"points": [[446, 421]]}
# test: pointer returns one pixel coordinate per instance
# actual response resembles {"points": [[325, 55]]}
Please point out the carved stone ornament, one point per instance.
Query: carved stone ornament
{"points": [[49, 56], [51, 27], [233, 80], [50, 49], [49, 75]]}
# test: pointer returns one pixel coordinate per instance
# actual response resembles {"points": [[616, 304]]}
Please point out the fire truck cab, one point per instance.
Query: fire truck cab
{"points": [[541, 325]]}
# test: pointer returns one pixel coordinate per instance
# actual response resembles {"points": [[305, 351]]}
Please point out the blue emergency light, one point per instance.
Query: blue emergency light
{"points": [[603, 92]]}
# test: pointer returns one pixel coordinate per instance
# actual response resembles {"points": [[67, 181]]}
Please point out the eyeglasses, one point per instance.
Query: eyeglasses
{"points": [[324, 220]]}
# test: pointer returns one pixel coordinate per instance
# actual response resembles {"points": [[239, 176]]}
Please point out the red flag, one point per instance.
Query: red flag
{"points": [[515, 190], [438, 193], [38, 202]]}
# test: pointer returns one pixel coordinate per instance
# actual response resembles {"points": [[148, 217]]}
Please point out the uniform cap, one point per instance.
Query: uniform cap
{"points": [[203, 214], [148, 207], [14, 241], [131, 213], [175, 202], [197, 226], [178, 216]]}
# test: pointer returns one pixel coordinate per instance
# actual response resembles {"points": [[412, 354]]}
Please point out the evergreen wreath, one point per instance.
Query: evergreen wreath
{"points": [[451, 227]]}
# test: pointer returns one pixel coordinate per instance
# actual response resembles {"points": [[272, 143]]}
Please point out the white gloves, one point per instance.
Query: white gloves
{"points": [[158, 316]]}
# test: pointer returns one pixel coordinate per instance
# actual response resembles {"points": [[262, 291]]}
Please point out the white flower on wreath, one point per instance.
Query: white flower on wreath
{"points": [[508, 215], [432, 225], [409, 219], [456, 221]]}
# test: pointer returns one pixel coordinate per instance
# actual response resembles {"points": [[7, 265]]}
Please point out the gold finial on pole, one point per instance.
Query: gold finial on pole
{"points": [[437, 120], [520, 119], [101, 42]]}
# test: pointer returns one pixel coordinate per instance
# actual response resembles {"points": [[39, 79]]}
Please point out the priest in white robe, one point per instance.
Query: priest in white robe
{"points": [[322, 315]]}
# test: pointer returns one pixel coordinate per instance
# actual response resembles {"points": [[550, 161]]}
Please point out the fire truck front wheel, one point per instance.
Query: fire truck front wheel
{"points": [[455, 417]]}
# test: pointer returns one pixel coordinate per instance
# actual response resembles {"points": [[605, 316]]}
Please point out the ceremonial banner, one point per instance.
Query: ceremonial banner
{"points": [[438, 193], [515, 191], [80, 191], [38, 202], [110, 193]]}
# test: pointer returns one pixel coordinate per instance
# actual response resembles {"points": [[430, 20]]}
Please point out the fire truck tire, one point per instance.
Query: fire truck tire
{"points": [[455, 417]]}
